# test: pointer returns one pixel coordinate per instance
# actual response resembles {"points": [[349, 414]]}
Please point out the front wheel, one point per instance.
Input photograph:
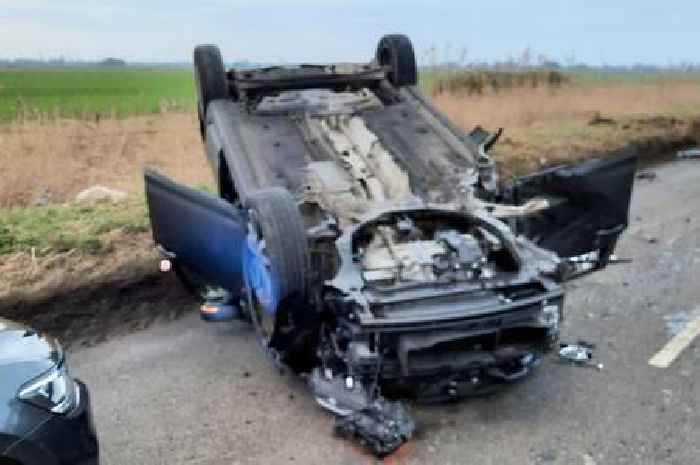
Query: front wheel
{"points": [[276, 260]]}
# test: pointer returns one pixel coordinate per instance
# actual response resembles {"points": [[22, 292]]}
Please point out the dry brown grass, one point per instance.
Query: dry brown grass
{"points": [[547, 125], [52, 160], [525, 107]]}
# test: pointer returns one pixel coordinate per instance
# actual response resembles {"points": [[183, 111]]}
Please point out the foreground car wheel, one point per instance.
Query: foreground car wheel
{"points": [[395, 52], [276, 259], [210, 79]]}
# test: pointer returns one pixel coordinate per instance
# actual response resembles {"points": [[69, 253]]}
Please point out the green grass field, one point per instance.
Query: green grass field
{"points": [[84, 93], [60, 228]]}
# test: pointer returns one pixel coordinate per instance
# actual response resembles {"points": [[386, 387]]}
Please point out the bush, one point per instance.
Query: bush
{"points": [[481, 82]]}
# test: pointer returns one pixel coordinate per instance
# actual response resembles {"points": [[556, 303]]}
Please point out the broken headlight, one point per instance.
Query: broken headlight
{"points": [[54, 391]]}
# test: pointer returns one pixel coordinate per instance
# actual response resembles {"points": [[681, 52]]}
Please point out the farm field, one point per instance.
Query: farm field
{"points": [[56, 145], [546, 126], [87, 93], [77, 128]]}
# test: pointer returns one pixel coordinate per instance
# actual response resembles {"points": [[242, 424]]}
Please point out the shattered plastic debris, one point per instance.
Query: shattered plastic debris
{"points": [[690, 153], [579, 354], [575, 353], [383, 426]]}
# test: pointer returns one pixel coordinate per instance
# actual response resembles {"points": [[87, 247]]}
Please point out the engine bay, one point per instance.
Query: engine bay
{"points": [[404, 253]]}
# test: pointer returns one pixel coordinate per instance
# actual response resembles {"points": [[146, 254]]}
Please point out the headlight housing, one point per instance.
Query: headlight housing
{"points": [[54, 391]]}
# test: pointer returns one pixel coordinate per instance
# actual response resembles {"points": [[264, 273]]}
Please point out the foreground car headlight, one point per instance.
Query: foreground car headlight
{"points": [[55, 390]]}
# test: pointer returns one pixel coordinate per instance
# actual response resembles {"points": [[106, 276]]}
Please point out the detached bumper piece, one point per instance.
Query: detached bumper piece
{"points": [[382, 426], [379, 424]]}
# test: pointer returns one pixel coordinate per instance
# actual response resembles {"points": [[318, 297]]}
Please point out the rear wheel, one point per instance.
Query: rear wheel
{"points": [[210, 79], [395, 52]]}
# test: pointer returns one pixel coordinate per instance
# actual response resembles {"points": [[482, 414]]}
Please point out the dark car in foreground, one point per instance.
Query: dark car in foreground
{"points": [[45, 414], [370, 241]]}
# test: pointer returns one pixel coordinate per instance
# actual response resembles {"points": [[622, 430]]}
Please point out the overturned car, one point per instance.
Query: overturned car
{"points": [[369, 240]]}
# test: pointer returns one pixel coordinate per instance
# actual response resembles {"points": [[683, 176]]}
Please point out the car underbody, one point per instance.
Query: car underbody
{"points": [[370, 241]]}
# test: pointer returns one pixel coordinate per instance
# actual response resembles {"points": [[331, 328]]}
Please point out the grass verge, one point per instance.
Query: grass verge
{"points": [[62, 228]]}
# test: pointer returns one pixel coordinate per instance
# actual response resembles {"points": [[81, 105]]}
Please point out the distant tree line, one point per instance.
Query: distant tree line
{"points": [[529, 60], [109, 62], [525, 60]]}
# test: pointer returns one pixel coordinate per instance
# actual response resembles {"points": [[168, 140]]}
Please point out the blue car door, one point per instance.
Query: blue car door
{"points": [[202, 232]]}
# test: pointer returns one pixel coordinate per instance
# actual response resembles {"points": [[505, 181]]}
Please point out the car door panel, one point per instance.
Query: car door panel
{"points": [[590, 208], [203, 232]]}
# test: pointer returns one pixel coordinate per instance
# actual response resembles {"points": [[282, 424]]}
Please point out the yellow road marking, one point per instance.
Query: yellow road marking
{"points": [[665, 357]]}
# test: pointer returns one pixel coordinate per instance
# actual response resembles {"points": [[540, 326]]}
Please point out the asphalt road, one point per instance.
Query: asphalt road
{"points": [[186, 392]]}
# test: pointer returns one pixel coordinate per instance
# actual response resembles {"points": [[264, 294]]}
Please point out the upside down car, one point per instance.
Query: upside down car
{"points": [[369, 240]]}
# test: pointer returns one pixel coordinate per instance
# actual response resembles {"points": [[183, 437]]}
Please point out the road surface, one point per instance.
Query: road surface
{"points": [[186, 392]]}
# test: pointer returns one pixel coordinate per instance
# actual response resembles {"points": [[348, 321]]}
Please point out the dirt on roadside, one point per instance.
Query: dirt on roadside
{"points": [[84, 299], [79, 296], [50, 161], [653, 139]]}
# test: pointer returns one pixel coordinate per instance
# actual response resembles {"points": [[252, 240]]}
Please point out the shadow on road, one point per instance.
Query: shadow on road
{"points": [[126, 300]]}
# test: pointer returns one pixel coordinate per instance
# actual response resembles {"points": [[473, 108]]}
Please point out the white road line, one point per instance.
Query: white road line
{"points": [[665, 357]]}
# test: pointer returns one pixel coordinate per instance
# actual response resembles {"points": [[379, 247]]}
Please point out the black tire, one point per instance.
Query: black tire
{"points": [[210, 79], [275, 215], [395, 51]]}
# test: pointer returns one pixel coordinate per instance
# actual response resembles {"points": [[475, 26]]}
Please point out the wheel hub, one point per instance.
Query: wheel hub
{"points": [[260, 284]]}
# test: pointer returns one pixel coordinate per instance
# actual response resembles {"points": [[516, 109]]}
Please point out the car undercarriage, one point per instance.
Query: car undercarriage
{"points": [[370, 241]]}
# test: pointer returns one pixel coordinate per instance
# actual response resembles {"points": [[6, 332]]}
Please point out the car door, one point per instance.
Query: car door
{"points": [[200, 231], [589, 207]]}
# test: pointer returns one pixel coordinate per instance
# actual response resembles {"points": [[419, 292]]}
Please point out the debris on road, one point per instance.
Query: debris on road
{"points": [[580, 353], [100, 193], [575, 353], [689, 153], [381, 425], [615, 259]]}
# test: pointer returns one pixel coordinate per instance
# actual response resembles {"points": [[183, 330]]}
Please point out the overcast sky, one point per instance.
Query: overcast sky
{"points": [[594, 31]]}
